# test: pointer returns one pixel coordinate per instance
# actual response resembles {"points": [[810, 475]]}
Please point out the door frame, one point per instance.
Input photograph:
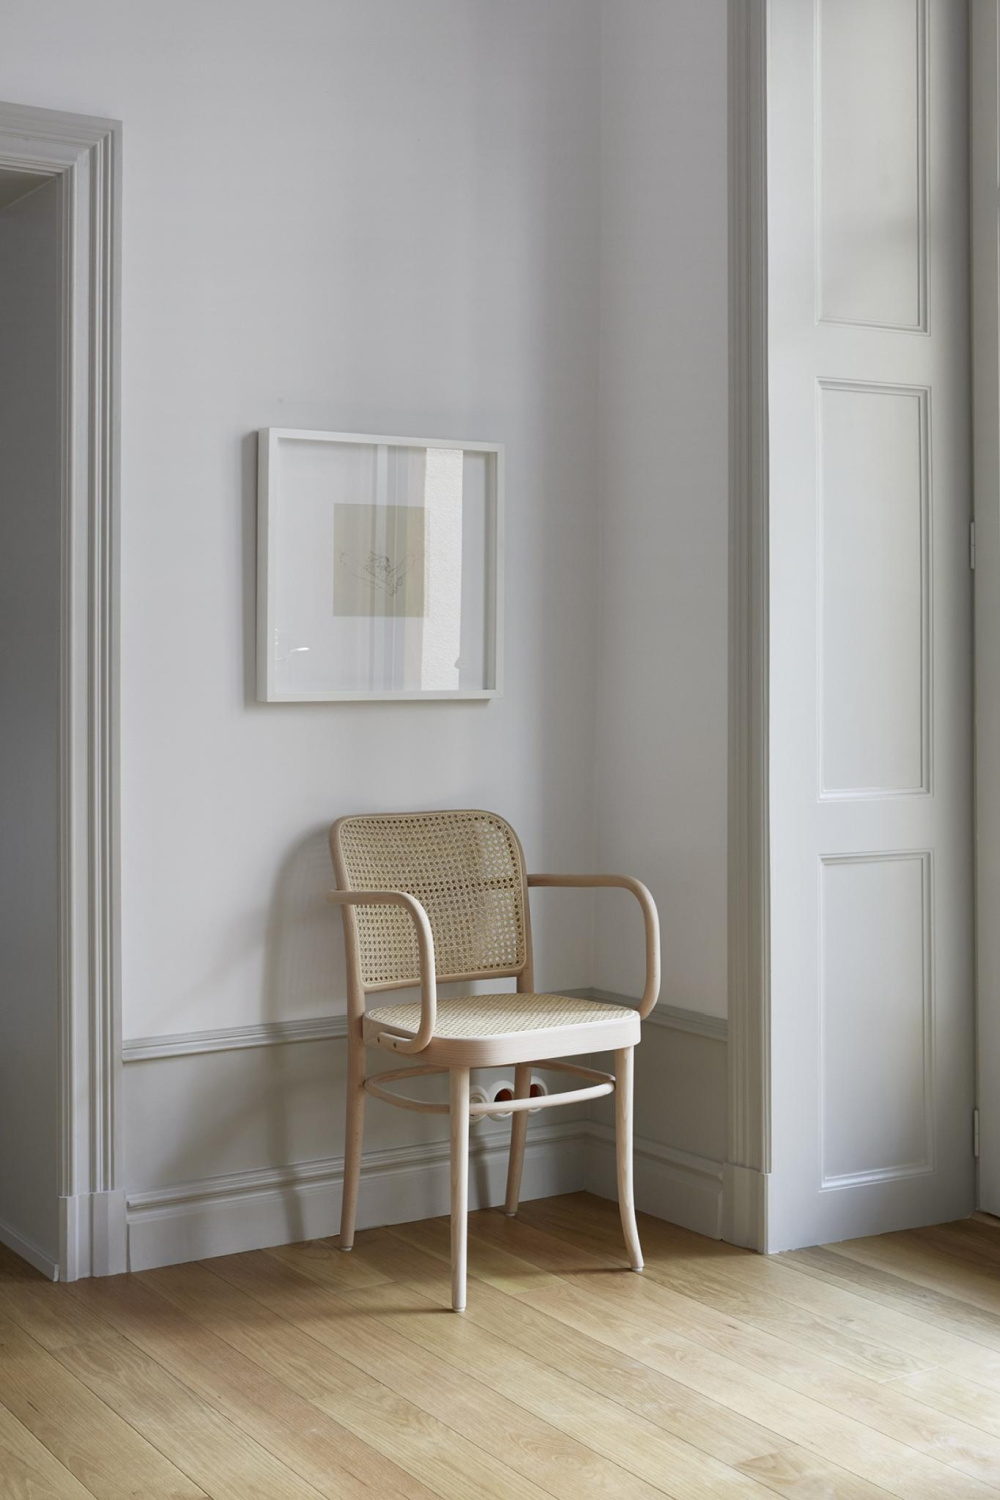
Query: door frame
{"points": [[985, 247], [748, 1150], [84, 155], [749, 1100]]}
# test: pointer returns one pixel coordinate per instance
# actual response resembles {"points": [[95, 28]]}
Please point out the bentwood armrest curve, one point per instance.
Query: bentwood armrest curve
{"points": [[650, 917], [425, 948]]}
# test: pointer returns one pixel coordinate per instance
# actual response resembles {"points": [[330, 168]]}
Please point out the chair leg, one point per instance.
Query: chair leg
{"points": [[518, 1131], [352, 1139], [624, 1071], [459, 1183]]}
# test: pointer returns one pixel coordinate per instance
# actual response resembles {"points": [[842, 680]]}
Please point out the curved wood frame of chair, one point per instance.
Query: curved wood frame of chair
{"points": [[456, 1054]]}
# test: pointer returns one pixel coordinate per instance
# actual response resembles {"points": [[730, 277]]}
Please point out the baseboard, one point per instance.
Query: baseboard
{"points": [[669, 1184], [251, 1210], [29, 1252]]}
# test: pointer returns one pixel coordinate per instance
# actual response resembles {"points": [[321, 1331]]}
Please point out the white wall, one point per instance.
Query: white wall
{"points": [[386, 215], [367, 215], [29, 693], [371, 215], [662, 686]]}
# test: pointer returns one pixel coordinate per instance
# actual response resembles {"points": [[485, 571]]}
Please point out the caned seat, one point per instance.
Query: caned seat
{"points": [[517, 1026], [443, 896]]}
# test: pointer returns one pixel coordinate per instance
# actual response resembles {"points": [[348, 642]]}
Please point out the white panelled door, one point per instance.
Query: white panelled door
{"points": [[870, 618]]}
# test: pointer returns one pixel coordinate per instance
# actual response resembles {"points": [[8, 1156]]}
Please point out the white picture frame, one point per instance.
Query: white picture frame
{"points": [[379, 567]]}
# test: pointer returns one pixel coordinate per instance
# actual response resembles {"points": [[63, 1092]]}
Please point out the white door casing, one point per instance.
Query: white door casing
{"points": [[870, 784], [84, 155], [748, 1125], [985, 223]]}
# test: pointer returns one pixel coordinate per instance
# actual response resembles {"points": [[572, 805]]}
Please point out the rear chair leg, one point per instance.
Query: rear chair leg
{"points": [[518, 1131], [459, 1183], [624, 1070]]}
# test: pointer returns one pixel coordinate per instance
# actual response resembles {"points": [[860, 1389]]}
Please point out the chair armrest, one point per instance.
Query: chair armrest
{"points": [[425, 946], [649, 916]]}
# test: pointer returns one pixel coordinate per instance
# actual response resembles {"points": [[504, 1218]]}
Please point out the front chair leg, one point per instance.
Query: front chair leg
{"points": [[624, 1069], [459, 1183], [352, 1135]]}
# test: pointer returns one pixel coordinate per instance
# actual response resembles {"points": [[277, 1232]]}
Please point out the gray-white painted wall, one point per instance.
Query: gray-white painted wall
{"points": [[29, 695], [662, 683], [394, 216]]}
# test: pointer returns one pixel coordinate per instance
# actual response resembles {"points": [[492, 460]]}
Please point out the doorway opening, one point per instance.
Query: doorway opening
{"points": [[61, 1202], [31, 439]]}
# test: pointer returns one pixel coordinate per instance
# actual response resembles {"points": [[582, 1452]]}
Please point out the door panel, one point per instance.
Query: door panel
{"points": [[872, 494], [870, 616]]}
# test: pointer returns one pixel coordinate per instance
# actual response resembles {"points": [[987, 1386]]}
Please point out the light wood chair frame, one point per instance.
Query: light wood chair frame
{"points": [[457, 1056]]}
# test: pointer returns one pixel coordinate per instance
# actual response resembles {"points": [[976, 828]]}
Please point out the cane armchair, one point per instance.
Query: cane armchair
{"points": [[442, 897]]}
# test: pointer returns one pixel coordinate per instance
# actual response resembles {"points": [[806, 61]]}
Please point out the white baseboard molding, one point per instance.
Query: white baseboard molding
{"points": [[669, 1184], [29, 1252], [251, 1210]]}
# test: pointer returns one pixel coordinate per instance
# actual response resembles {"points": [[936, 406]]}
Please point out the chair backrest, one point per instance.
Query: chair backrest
{"points": [[467, 871]]}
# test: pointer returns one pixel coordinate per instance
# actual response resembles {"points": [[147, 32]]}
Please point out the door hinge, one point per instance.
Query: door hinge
{"points": [[972, 545], [975, 1133]]}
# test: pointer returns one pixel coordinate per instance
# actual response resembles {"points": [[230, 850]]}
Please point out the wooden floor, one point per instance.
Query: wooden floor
{"points": [[865, 1369]]}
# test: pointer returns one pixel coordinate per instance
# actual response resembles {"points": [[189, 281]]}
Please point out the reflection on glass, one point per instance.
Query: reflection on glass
{"points": [[442, 644]]}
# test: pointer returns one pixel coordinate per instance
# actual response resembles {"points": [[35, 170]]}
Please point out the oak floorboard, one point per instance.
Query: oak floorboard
{"points": [[751, 1448], [27, 1469], [907, 1256], [310, 1444], [968, 1239], [848, 1372], [493, 1411], [749, 1287], [887, 1439], [375, 1353], [214, 1453], [435, 1455], [887, 1408], [611, 1366], [937, 1308], [101, 1450]]}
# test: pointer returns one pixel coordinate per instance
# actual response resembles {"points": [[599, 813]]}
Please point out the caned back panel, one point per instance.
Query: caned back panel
{"points": [[466, 870]]}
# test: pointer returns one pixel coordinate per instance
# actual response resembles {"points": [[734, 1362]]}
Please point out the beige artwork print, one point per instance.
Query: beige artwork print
{"points": [[378, 562]]}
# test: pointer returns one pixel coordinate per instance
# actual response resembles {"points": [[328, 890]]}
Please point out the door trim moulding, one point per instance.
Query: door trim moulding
{"points": [[84, 154], [749, 1091], [984, 89]]}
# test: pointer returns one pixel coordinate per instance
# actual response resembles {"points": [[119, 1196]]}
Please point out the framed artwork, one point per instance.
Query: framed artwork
{"points": [[378, 567]]}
